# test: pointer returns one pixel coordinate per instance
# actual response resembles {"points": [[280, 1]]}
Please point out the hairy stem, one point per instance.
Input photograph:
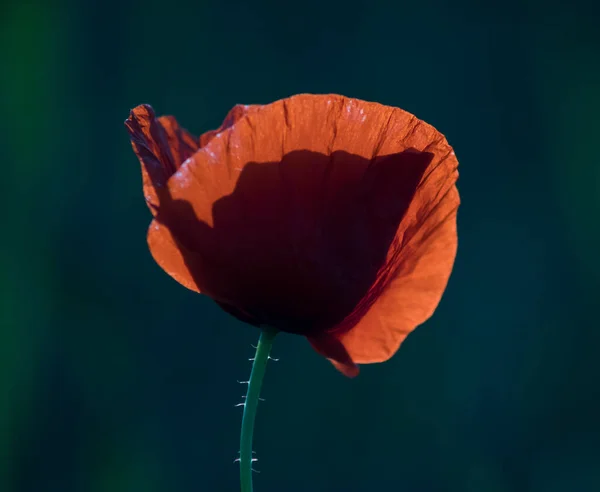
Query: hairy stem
{"points": [[259, 366]]}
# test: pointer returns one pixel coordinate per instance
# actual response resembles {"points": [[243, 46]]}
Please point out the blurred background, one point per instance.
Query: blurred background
{"points": [[115, 378]]}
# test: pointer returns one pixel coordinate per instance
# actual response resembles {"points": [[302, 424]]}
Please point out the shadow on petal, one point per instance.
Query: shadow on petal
{"points": [[299, 243]]}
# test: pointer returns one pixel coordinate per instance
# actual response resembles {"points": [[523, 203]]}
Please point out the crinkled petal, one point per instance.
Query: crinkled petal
{"points": [[232, 117], [323, 215], [182, 144], [410, 286], [298, 208], [412, 293], [161, 146]]}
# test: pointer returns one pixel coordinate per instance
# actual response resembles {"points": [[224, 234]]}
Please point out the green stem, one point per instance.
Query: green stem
{"points": [[259, 366]]}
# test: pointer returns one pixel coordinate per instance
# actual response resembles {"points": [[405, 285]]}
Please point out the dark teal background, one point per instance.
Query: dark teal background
{"points": [[115, 378]]}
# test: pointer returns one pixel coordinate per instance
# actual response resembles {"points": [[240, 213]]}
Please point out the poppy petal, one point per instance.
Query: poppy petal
{"points": [[181, 143], [169, 255], [411, 297], [161, 146], [251, 204], [232, 117], [320, 215]]}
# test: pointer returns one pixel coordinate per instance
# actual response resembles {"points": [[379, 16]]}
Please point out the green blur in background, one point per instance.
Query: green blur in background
{"points": [[115, 378]]}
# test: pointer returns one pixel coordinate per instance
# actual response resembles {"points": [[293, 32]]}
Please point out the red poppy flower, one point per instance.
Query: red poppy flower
{"points": [[319, 215]]}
